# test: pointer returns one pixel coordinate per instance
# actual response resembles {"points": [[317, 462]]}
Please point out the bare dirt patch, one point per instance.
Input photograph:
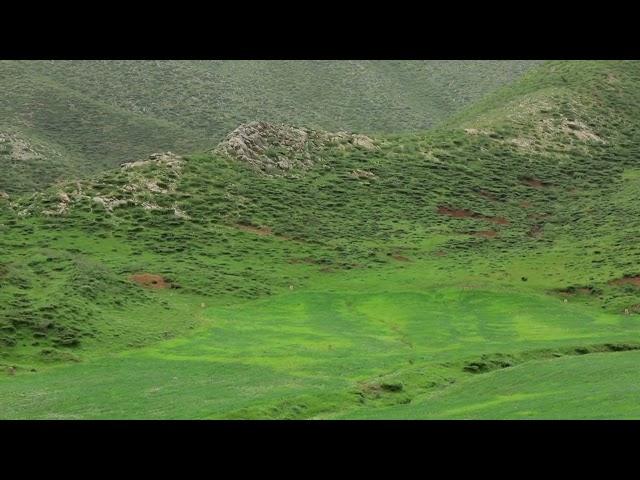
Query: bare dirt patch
{"points": [[149, 280], [457, 212], [463, 213], [400, 258], [632, 280], [497, 220], [485, 234]]}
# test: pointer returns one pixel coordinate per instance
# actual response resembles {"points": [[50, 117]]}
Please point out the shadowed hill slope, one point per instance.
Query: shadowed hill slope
{"points": [[91, 115]]}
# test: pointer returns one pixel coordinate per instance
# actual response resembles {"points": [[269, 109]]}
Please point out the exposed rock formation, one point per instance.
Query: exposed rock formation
{"points": [[365, 174], [275, 149], [143, 183], [16, 148], [168, 159]]}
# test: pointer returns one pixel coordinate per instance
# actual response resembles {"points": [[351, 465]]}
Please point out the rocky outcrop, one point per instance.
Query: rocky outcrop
{"points": [[143, 183], [167, 159], [157, 175], [17, 148], [363, 174], [61, 207], [278, 149]]}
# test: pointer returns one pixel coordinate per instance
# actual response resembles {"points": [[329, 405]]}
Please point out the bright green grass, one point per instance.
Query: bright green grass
{"points": [[595, 386], [313, 353]]}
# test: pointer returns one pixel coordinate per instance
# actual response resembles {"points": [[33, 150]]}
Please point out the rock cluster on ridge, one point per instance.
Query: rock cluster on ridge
{"points": [[275, 149], [146, 183]]}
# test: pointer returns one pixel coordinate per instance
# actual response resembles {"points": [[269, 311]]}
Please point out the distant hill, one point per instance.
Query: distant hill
{"points": [[85, 116]]}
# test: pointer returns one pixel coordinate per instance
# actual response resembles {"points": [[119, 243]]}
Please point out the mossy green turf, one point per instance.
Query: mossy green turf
{"points": [[367, 297]]}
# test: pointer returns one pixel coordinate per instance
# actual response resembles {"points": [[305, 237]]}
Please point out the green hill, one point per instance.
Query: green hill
{"points": [[86, 116], [294, 272]]}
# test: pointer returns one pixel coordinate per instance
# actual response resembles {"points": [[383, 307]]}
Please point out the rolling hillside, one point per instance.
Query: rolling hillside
{"points": [[81, 117], [480, 269]]}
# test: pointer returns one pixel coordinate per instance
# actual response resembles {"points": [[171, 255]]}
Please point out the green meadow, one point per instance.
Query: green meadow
{"points": [[596, 387], [346, 347], [485, 268]]}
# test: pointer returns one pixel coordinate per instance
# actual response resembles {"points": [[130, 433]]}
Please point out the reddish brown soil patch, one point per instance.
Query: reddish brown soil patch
{"points": [[149, 280], [626, 281], [457, 212], [264, 231], [257, 230], [485, 234], [462, 213], [534, 182], [497, 220], [400, 258]]}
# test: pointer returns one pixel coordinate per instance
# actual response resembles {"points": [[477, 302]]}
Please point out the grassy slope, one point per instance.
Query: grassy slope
{"points": [[95, 114], [363, 287], [598, 386]]}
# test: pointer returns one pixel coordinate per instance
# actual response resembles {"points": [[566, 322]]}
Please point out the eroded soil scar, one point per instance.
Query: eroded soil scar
{"points": [[627, 280], [149, 280]]}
